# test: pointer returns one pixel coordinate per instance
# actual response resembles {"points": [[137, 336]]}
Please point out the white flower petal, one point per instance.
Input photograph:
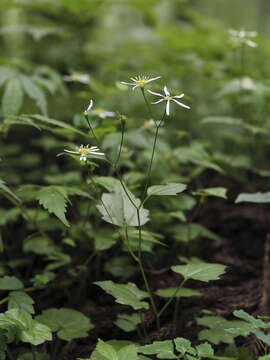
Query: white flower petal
{"points": [[134, 87], [166, 91], [155, 93], [178, 96], [72, 152], [157, 102], [126, 83], [155, 78], [168, 108], [181, 104], [90, 105], [133, 79], [251, 43]]}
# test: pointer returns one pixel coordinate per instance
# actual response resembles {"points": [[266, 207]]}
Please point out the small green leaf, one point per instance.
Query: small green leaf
{"points": [[162, 349], [54, 199], [215, 191], [13, 97], [183, 292], [204, 350], [256, 323], [7, 190], [128, 322], [34, 92], [117, 208], [36, 334], [169, 189], [106, 350], [126, 294], [183, 345], [265, 357], [202, 271], [69, 324], [254, 198], [10, 283], [21, 300], [128, 352]]}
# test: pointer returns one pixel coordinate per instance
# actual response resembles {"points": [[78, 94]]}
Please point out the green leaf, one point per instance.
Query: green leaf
{"points": [[34, 92], [7, 190], [204, 350], [107, 182], [191, 231], [202, 271], [162, 349], [183, 345], [13, 97], [5, 74], [183, 292], [69, 324], [117, 208], [126, 294], [254, 198], [265, 357], [54, 199], [256, 323], [128, 322], [219, 327], [128, 352], [21, 300], [215, 191], [10, 283], [36, 334], [106, 350], [169, 189]]}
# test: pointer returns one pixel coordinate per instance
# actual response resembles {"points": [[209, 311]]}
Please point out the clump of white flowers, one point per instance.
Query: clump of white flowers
{"points": [[84, 151], [140, 81], [103, 114], [241, 37]]}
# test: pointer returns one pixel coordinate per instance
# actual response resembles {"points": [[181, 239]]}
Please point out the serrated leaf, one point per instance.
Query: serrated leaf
{"points": [[35, 93], [128, 322], [125, 294], [10, 283], [215, 191], [13, 97], [7, 190], [169, 189], [191, 231], [54, 199], [202, 271], [5, 74], [117, 209], [256, 323], [21, 300], [128, 352], [69, 324], [37, 334], [183, 345], [183, 292], [107, 182], [106, 350], [205, 350], [258, 197], [162, 349]]}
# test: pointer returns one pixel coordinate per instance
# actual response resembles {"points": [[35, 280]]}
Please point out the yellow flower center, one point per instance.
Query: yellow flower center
{"points": [[99, 111], [77, 77], [148, 124], [141, 82], [83, 150], [168, 98]]}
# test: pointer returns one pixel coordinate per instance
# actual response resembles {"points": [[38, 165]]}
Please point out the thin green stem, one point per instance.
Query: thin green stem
{"points": [[171, 298], [121, 143], [128, 245], [140, 234], [147, 103]]}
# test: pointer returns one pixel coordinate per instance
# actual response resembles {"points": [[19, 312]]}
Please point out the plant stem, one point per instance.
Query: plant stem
{"points": [[121, 143], [147, 103], [33, 352], [171, 298]]}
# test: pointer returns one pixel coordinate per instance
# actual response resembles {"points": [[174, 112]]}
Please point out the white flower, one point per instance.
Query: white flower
{"points": [[242, 37], [140, 81], [168, 98], [89, 107], [103, 114], [82, 78], [83, 151], [148, 124]]}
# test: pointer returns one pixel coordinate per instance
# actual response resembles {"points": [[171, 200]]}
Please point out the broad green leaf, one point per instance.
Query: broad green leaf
{"points": [[205, 350], [54, 199], [262, 336], [21, 300], [69, 324], [169, 189], [162, 349], [13, 97], [126, 294], [183, 345], [107, 182], [254, 198], [202, 271], [215, 191], [115, 344], [218, 329], [128, 322], [4, 188], [191, 231], [265, 357], [10, 283], [128, 352], [5, 74], [35, 93], [117, 208], [36, 334], [183, 292], [106, 350], [256, 323]]}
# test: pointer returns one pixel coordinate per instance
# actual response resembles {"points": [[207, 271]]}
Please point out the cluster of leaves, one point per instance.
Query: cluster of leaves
{"points": [[67, 228]]}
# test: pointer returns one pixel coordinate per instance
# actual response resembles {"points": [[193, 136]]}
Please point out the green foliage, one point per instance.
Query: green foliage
{"points": [[201, 271], [254, 198], [126, 294], [68, 323], [169, 189], [10, 283]]}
